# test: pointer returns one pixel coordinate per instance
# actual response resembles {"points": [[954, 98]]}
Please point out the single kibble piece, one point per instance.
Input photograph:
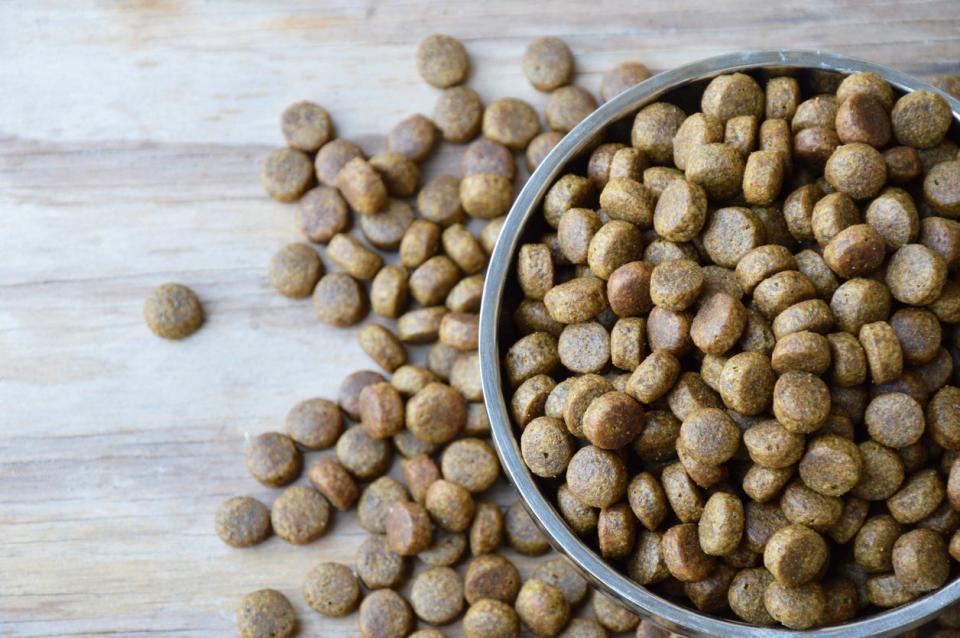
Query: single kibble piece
{"points": [[295, 270], [266, 614], [385, 348], [486, 195], [352, 256], [377, 565], [408, 527], [436, 414], [762, 177], [654, 128], [855, 251], [385, 229], [857, 170], [457, 114], [542, 608], [492, 577], [683, 555], [622, 77], [338, 300], [384, 614], [173, 311], [242, 521], [567, 106], [730, 234], [916, 275], [442, 61], [732, 95], [596, 477], [799, 607], [486, 530], [450, 505], [548, 63], [362, 186], [362, 455], [801, 401], [381, 410], [561, 573], [921, 119], [331, 590], [522, 533], [273, 459], [883, 352], [491, 619], [681, 211], [510, 122], [696, 130], [286, 174], [720, 528], [546, 446], [832, 465], [388, 291], [306, 126], [628, 200], [471, 463], [894, 420], [941, 188], [718, 168], [322, 214], [894, 215], [920, 560], [795, 554], [747, 382], [300, 515], [676, 284], [333, 481], [709, 436], [718, 324], [539, 147], [413, 137]]}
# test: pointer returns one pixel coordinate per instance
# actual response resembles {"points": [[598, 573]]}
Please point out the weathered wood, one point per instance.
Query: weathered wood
{"points": [[130, 140]]}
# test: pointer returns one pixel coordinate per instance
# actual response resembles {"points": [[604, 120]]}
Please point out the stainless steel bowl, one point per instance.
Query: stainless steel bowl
{"points": [[638, 599]]}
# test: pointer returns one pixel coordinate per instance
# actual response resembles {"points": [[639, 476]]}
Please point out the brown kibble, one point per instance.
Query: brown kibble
{"points": [[439, 200], [921, 119], [696, 130], [612, 420], [683, 556], [491, 619], [383, 347], [542, 608], [173, 311], [920, 560], [943, 417], [546, 447], [653, 130], [333, 481], [772, 445], [612, 614], [322, 214], [381, 410], [894, 420], [432, 281], [570, 191], [801, 401], [628, 342], [273, 459], [418, 473], [339, 300], [894, 215], [762, 177], [903, 164], [628, 289], [720, 528], [442, 61], [423, 326], [820, 111], [465, 296], [709, 436], [917, 498], [567, 106], [492, 577], [745, 596], [532, 355], [831, 215], [539, 147], [941, 188], [331, 590], [375, 503], [741, 133], [457, 114], [460, 330], [794, 555], [615, 244], [861, 118], [332, 157], [682, 493], [831, 465], [242, 521], [450, 505], [596, 477], [798, 210], [510, 122], [764, 483], [690, 394], [647, 500], [286, 174], [352, 385], [814, 146], [362, 186], [300, 515], [486, 195], [883, 352], [522, 532], [654, 377], [943, 237], [676, 284], [535, 270], [858, 302], [873, 545], [800, 607], [718, 168], [616, 531], [388, 291], [813, 315], [471, 463], [266, 613], [782, 97], [385, 229], [857, 170], [916, 275], [384, 614], [622, 77], [548, 63], [681, 211], [882, 472], [353, 257], [626, 199], [762, 262], [855, 251], [804, 350], [363, 456], [306, 126], [408, 527], [487, 156], [399, 173], [377, 565], [728, 96], [413, 137], [486, 530], [718, 323]]}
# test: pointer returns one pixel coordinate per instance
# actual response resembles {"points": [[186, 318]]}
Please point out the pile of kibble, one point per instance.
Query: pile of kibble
{"points": [[735, 363], [593, 295]]}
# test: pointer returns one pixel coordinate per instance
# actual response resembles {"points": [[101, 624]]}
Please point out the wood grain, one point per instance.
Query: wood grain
{"points": [[130, 137]]}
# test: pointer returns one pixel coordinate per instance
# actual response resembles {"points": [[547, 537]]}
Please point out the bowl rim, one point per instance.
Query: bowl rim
{"points": [[637, 598]]}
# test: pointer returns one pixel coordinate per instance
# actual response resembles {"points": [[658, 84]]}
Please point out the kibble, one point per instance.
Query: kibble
{"points": [[173, 311]]}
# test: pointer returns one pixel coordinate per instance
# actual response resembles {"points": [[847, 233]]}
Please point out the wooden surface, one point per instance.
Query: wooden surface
{"points": [[130, 139]]}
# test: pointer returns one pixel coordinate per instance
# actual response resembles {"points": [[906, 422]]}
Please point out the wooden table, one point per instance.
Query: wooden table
{"points": [[130, 140]]}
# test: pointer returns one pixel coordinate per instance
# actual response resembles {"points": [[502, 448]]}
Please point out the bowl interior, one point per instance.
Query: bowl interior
{"points": [[612, 121]]}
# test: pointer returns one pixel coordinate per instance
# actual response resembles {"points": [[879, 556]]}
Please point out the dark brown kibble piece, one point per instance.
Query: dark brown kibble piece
{"points": [[683, 556], [491, 576], [522, 532], [333, 481], [408, 528], [855, 251], [385, 614], [363, 456], [273, 459], [242, 521], [300, 515]]}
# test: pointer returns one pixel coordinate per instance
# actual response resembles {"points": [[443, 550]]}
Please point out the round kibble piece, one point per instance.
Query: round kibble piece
{"points": [[676, 284], [718, 324], [920, 560], [487, 156], [491, 619], [457, 114], [306, 126], [546, 447], [173, 311], [286, 174], [720, 528], [379, 566], [362, 186], [683, 556], [596, 477], [921, 119], [362, 455], [857, 170], [917, 498], [709, 436], [943, 417], [522, 533], [729, 96], [794, 555], [486, 195], [831, 465], [548, 63], [322, 214], [855, 251], [493, 577], [883, 352], [385, 348], [730, 234], [385, 614], [745, 596], [314, 423], [801, 401], [242, 521], [450, 505], [539, 147], [331, 589], [919, 333], [266, 614], [894, 420], [437, 595], [799, 607], [654, 128], [561, 573], [442, 61], [612, 615], [486, 530], [436, 414], [510, 122], [542, 608], [273, 459], [882, 472], [300, 515], [622, 77], [413, 137], [718, 168], [471, 463], [941, 188], [915, 275], [567, 106], [747, 382], [339, 300]]}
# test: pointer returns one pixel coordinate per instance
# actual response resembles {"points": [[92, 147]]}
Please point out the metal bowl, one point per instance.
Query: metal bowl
{"points": [[635, 597]]}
